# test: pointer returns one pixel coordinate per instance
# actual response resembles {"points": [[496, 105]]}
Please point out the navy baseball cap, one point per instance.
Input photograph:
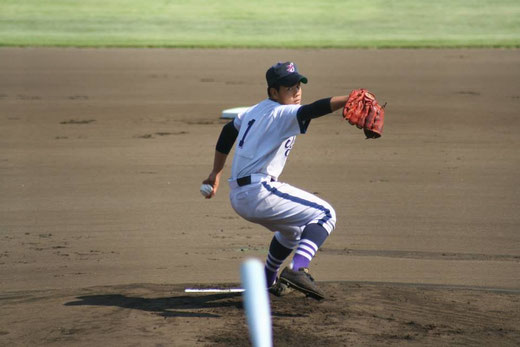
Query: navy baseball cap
{"points": [[284, 74]]}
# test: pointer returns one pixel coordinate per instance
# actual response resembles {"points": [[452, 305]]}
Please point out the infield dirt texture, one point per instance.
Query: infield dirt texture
{"points": [[102, 225]]}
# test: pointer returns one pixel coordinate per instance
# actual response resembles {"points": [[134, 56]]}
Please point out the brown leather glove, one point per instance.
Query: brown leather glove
{"points": [[363, 111]]}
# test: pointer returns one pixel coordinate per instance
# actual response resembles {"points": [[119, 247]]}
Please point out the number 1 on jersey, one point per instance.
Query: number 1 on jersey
{"points": [[249, 125]]}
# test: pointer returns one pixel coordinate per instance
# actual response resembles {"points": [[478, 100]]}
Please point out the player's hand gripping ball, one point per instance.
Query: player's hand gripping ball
{"points": [[206, 190], [363, 111]]}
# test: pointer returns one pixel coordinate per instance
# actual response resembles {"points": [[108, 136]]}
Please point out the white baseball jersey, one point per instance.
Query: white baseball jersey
{"points": [[267, 132]]}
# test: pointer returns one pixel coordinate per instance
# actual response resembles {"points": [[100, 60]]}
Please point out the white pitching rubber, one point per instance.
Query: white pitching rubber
{"points": [[213, 290], [256, 303]]}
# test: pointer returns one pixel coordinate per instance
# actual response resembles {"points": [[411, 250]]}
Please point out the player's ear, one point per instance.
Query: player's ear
{"points": [[273, 93]]}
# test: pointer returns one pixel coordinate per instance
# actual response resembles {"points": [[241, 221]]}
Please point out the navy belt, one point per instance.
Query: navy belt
{"points": [[244, 181]]}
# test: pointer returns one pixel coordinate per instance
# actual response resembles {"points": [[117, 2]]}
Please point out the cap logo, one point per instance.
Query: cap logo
{"points": [[290, 68]]}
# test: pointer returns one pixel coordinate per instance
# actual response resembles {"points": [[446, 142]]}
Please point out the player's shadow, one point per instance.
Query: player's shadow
{"points": [[177, 306]]}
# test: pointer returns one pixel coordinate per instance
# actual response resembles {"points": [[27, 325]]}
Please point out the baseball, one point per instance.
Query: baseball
{"points": [[206, 189]]}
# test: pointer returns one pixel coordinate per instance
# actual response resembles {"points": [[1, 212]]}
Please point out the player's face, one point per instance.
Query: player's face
{"points": [[289, 95]]}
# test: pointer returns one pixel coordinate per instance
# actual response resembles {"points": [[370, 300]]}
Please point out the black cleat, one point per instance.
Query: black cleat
{"points": [[302, 281], [279, 289]]}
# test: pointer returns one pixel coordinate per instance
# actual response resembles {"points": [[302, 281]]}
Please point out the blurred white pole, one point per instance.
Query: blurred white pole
{"points": [[256, 303]]}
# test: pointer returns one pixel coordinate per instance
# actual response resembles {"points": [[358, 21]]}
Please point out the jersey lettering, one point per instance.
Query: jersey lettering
{"points": [[249, 125], [267, 132], [289, 145]]}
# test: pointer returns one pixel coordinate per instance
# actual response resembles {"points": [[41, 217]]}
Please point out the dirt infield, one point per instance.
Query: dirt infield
{"points": [[102, 226]]}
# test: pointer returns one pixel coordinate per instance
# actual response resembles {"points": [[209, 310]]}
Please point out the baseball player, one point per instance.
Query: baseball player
{"points": [[266, 133]]}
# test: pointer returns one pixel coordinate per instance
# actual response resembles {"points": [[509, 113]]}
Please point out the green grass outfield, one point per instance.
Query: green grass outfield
{"points": [[255, 23]]}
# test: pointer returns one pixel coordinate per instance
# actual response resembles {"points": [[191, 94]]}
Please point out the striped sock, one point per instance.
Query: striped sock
{"points": [[313, 236], [304, 253], [272, 265], [277, 254]]}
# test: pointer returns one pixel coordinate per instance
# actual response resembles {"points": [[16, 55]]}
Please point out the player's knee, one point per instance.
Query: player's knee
{"points": [[330, 219]]}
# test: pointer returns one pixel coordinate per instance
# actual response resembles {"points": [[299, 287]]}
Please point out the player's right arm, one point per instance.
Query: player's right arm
{"points": [[225, 142]]}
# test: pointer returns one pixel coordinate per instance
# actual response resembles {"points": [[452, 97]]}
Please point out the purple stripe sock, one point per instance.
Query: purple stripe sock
{"points": [[277, 254], [312, 237], [299, 261]]}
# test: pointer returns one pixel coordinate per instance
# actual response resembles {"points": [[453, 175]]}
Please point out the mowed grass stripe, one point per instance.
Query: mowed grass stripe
{"points": [[306, 23]]}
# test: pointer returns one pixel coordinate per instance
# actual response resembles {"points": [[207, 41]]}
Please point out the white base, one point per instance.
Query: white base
{"points": [[232, 112]]}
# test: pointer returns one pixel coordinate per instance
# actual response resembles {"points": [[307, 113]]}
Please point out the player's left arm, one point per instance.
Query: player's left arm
{"points": [[321, 107], [317, 109], [338, 102]]}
